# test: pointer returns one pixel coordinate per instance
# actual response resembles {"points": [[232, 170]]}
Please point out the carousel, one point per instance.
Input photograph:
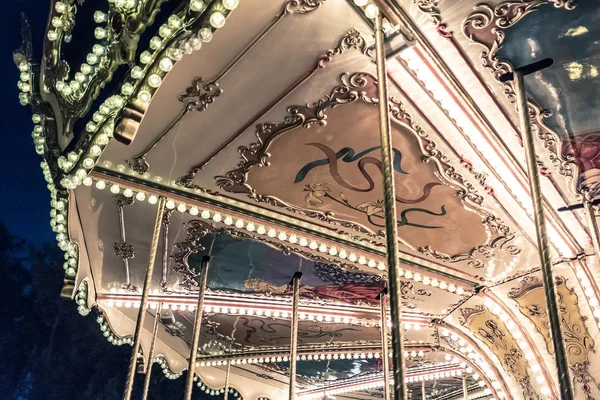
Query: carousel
{"points": [[329, 199]]}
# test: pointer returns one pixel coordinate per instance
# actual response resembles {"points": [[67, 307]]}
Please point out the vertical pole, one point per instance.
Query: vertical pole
{"points": [[383, 300], [423, 395], [589, 207], [294, 334], [465, 389], [542, 238], [151, 353], [389, 200], [227, 380], [144, 303], [189, 381]]}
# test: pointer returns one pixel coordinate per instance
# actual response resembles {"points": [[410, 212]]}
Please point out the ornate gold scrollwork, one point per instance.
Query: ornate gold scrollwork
{"points": [[362, 87], [493, 332], [486, 27], [529, 296]]}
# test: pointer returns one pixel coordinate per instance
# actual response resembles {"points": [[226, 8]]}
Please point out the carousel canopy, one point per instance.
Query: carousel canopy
{"points": [[256, 124]]}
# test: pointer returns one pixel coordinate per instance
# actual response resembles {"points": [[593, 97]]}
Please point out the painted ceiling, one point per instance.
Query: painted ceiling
{"points": [[263, 136]]}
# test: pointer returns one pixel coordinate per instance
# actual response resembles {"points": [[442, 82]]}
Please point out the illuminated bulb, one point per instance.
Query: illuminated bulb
{"points": [[144, 96], [371, 11], [217, 20], [239, 223], [261, 230], [170, 204], [381, 266], [181, 207], [197, 5], [145, 57], [154, 80], [165, 64], [205, 214], [205, 34], [140, 196], [115, 189], [100, 185], [152, 199]]}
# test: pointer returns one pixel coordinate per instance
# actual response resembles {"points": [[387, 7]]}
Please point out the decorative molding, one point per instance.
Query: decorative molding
{"points": [[362, 87], [350, 40], [431, 8], [493, 332], [579, 343], [198, 229], [486, 27], [122, 248], [200, 94]]}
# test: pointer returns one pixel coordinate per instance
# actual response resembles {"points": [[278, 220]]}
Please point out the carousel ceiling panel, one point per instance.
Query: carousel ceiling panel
{"points": [[526, 297], [333, 179], [567, 88], [505, 341], [455, 39], [241, 263], [252, 62]]}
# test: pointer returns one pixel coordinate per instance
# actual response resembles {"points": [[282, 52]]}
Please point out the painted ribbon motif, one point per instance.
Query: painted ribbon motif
{"points": [[373, 209]]}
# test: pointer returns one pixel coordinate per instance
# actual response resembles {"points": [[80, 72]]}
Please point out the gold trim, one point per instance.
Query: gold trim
{"points": [[363, 87]]}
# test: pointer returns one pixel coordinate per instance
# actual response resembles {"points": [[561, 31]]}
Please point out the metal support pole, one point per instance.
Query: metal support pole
{"points": [[383, 301], [423, 395], [465, 389], [189, 381], [294, 333], [589, 207], [566, 392], [389, 200], [227, 380], [144, 303], [151, 353]]}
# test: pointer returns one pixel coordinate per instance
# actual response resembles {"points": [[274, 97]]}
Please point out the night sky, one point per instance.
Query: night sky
{"points": [[24, 198]]}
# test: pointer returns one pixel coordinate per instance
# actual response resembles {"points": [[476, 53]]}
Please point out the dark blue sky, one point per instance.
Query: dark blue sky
{"points": [[24, 198]]}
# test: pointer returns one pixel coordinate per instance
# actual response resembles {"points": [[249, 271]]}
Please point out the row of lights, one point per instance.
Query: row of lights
{"points": [[204, 387], [381, 383], [25, 82], [62, 22], [81, 298], [153, 81], [309, 316], [422, 71], [285, 358], [471, 353], [273, 233], [517, 335]]}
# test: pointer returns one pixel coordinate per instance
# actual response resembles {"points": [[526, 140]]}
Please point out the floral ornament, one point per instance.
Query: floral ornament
{"points": [[371, 207], [315, 193]]}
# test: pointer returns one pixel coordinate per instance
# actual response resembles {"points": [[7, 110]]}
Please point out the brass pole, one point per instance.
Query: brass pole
{"points": [[383, 300], [591, 215], [566, 391], [227, 380], [389, 200], [144, 303], [151, 353], [294, 334], [189, 381], [423, 390], [465, 389]]}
